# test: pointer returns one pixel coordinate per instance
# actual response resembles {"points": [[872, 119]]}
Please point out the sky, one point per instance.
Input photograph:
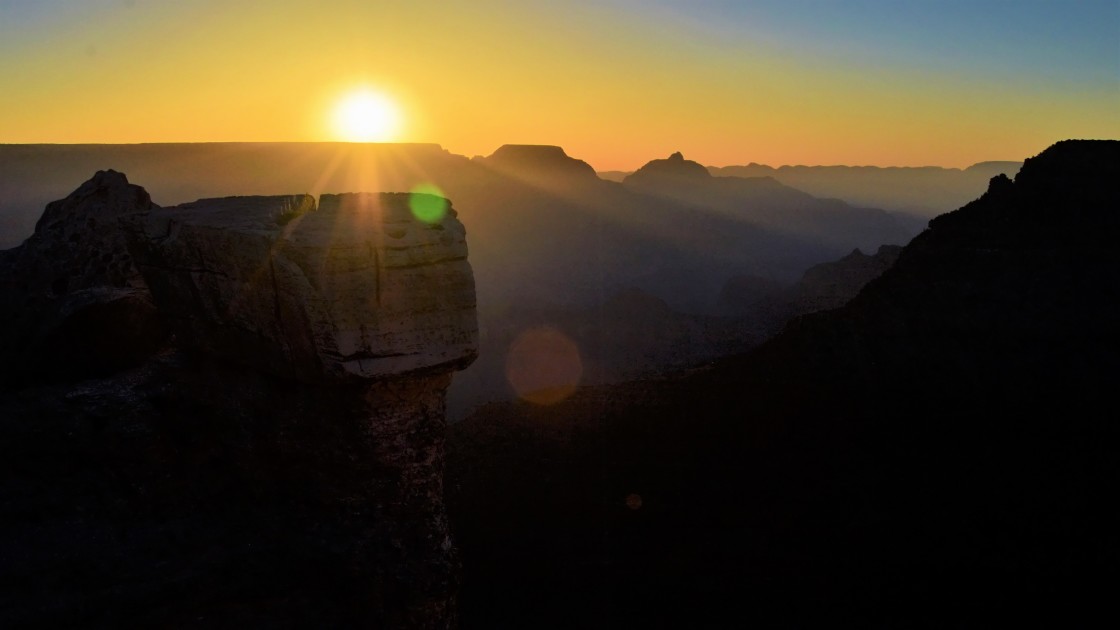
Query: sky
{"points": [[615, 82]]}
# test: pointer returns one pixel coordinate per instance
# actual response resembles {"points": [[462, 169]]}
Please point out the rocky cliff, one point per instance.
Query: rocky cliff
{"points": [[937, 451], [293, 423]]}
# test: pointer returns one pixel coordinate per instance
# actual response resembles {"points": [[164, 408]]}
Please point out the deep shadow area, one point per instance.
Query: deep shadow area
{"points": [[938, 452]]}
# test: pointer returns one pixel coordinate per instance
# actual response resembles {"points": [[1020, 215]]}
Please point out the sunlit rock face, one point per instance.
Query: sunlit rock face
{"points": [[72, 303], [356, 289]]}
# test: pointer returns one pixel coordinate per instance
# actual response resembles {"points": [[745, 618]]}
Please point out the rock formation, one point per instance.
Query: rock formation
{"points": [[533, 162], [356, 290], [301, 400], [830, 285], [73, 302], [822, 287], [674, 168]]}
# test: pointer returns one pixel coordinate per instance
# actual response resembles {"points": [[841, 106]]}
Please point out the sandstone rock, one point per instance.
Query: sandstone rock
{"points": [[357, 289], [73, 303]]}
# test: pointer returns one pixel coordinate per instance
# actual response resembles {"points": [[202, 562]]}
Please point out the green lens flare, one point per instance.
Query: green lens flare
{"points": [[427, 203]]}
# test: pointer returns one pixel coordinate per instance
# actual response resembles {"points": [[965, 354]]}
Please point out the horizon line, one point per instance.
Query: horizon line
{"points": [[441, 147]]}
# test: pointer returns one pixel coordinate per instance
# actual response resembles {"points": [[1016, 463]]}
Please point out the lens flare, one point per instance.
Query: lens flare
{"points": [[427, 203], [543, 366], [634, 501]]}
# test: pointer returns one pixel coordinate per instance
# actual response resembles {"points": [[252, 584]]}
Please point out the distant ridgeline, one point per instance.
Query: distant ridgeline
{"points": [[551, 243], [937, 451], [921, 191]]}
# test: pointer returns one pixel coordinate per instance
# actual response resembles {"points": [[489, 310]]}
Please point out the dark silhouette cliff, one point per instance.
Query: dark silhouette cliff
{"points": [[935, 452]]}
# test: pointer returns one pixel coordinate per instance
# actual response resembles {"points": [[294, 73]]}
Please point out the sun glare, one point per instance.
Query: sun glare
{"points": [[366, 116]]}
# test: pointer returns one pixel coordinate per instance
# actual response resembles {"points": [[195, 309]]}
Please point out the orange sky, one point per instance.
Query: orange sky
{"points": [[615, 83]]}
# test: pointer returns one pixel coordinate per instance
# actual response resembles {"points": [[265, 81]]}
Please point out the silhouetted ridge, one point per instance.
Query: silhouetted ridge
{"points": [[1060, 188], [937, 449], [967, 377], [675, 167], [923, 191], [537, 159]]}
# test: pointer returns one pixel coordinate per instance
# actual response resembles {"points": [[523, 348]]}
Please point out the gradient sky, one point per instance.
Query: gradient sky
{"points": [[615, 82]]}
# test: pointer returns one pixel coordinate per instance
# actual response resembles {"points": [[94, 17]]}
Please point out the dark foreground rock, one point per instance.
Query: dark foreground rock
{"points": [[281, 461], [73, 303]]}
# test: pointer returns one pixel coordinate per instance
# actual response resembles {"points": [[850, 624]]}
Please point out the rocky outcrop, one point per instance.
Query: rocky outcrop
{"points": [[831, 285], [357, 289], [73, 303], [299, 405]]}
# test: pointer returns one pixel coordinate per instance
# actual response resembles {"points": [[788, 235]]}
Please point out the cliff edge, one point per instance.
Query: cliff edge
{"points": [[282, 434]]}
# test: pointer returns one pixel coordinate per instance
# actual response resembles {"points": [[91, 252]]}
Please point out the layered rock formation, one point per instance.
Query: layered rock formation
{"points": [[313, 346], [358, 289]]}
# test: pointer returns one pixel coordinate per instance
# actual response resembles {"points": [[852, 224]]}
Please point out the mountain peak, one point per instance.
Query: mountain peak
{"points": [[105, 196], [536, 159], [675, 168]]}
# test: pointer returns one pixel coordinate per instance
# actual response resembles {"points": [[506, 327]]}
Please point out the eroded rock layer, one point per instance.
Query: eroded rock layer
{"points": [[356, 289], [291, 429]]}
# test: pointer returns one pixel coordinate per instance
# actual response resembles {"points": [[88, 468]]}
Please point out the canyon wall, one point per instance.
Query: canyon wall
{"points": [[294, 398]]}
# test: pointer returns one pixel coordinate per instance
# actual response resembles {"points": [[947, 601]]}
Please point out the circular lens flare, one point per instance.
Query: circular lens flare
{"points": [[427, 203], [543, 366], [634, 501], [366, 116]]}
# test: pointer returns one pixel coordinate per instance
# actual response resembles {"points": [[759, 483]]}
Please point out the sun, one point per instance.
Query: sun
{"points": [[365, 115]]}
